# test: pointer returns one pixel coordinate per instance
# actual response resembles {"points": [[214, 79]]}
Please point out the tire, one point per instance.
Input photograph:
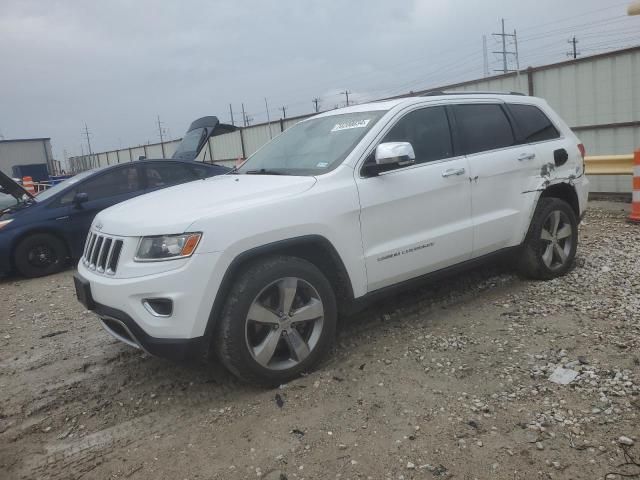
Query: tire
{"points": [[260, 343], [40, 254], [551, 242]]}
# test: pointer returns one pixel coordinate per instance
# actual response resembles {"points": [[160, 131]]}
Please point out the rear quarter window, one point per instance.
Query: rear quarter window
{"points": [[483, 127], [532, 123]]}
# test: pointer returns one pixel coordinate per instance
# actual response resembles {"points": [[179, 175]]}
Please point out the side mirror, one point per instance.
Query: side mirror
{"points": [[389, 154], [400, 153], [79, 199]]}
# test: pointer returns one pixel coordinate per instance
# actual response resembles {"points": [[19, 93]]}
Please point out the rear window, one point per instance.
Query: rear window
{"points": [[533, 124], [483, 127]]}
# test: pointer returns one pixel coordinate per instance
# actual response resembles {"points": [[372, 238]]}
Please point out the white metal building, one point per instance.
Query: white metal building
{"points": [[26, 151]]}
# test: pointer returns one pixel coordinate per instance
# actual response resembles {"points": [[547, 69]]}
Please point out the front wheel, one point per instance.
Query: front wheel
{"points": [[551, 243], [278, 321], [40, 254]]}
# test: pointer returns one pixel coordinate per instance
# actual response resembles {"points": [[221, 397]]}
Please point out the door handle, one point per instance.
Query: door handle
{"points": [[527, 156], [453, 171]]}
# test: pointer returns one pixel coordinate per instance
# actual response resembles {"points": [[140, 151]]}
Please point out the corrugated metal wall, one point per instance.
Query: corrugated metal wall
{"points": [[598, 96]]}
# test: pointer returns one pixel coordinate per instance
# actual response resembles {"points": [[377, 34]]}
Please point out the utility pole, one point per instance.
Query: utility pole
{"points": [[87, 134], [485, 56], [515, 42], [574, 44], [504, 52], [315, 102], [346, 94], [284, 111], [244, 116], [161, 137], [266, 105], [231, 114]]}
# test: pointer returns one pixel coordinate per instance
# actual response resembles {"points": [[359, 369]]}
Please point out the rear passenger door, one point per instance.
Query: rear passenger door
{"points": [[501, 173]]}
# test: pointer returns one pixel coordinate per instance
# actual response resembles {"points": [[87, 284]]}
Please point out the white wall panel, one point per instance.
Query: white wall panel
{"points": [[112, 158], [155, 151], [226, 146]]}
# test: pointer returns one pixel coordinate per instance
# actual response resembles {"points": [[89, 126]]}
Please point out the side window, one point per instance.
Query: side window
{"points": [[483, 127], [115, 182], [202, 171], [533, 124], [165, 174], [428, 132], [68, 197]]}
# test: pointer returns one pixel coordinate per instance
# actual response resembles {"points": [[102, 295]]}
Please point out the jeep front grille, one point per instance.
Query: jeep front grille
{"points": [[101, 253]]}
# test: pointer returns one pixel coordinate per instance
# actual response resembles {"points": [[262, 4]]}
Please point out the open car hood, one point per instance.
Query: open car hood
{"points": [[198, 135], [10, 187]]}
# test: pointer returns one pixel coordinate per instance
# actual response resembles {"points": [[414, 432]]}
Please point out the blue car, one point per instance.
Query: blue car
{"points": [[40, 234]]}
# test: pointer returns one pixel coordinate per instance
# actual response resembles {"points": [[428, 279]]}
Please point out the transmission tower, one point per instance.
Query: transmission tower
{"points": [[504, 53]]}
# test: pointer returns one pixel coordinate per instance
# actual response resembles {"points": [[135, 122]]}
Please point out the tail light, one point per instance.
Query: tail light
{"points": [[583, 152]]}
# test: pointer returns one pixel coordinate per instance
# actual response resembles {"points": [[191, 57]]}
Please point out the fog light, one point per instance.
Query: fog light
{"points": [[158, 307]]}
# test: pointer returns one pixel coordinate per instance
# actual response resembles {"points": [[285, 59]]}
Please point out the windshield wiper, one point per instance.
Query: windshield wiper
{"points": [[264, 171]]}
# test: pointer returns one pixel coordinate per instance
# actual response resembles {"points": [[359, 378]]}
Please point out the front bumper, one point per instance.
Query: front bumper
{"points": [[191, 286], [119, 325]]}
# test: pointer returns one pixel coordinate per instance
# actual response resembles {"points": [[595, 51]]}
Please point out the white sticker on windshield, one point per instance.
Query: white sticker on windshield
{"points": [[322, 165], [351, 124]]}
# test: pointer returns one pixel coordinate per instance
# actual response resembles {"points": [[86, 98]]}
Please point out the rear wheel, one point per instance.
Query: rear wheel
{"points": [[552, 240], [40, 254], [278, 321]]}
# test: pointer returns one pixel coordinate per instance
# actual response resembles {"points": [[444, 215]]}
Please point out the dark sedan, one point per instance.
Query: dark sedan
{"points": [[39, 234]]}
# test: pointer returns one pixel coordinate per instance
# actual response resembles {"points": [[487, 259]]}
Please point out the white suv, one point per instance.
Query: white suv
{"points": [[256, 265]]}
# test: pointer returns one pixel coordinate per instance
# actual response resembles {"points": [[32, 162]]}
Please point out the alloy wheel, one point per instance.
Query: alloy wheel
{"points": [[558, 236], [284, 323]]}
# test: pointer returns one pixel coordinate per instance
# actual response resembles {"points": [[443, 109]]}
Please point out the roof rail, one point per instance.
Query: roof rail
{"points": [[433, 93]]}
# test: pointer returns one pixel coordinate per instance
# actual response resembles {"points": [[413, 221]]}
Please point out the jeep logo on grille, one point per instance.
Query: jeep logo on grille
{"points": [[98, 226]]}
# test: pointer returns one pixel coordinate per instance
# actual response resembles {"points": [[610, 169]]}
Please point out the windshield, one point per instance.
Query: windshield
{"points": [[312, 147], [7, 200], [188, 148], [50, 192]]}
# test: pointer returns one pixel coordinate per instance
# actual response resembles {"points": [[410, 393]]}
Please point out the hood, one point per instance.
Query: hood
{"points": [[174, 209], [10, 187]]}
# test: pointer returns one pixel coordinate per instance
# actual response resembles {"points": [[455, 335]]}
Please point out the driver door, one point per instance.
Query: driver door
{"points": [[417, 219]]}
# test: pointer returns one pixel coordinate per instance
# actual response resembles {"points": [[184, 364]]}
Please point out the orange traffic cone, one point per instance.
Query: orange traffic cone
{"points": [[27, 183], [635, 195]]}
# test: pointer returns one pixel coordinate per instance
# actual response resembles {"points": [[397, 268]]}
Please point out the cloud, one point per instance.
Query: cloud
{"points": [[118, 64]]}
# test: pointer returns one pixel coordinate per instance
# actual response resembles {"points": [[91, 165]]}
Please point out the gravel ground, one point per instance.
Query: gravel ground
{"points": [[447, 381]]}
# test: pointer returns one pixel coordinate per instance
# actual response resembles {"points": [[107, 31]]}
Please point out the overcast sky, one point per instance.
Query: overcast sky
{"points": [[117, 64]]}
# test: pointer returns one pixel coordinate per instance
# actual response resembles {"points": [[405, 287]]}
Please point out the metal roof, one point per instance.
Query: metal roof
{"points": [[40, 139]]}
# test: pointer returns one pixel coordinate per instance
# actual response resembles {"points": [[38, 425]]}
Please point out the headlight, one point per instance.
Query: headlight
{"points": [[167, 247], [4, 223]]}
